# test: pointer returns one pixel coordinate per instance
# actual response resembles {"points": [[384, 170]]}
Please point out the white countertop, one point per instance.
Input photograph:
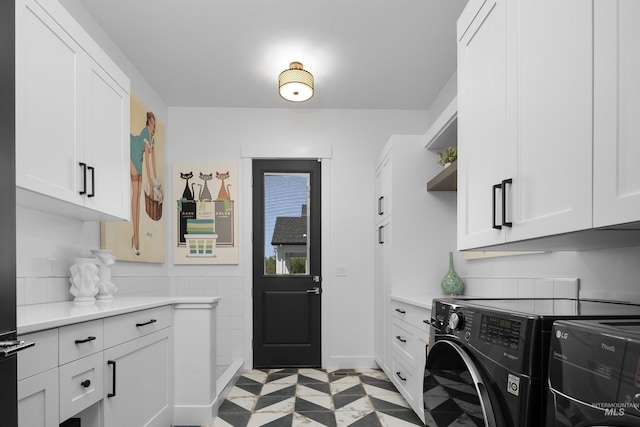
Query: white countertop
{"points": [[419, 300], [37, 317]]}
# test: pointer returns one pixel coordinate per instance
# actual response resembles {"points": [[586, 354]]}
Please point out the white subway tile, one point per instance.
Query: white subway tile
{"points": [[35, 290], [58, 289], [196, 283], [236, 322], [565, 288], [526, 288], [182, 286], [543, 288], [510, 288], [496, 288], [20, 291]]}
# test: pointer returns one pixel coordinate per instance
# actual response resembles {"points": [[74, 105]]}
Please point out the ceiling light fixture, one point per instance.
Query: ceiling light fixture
{"points": [[295, 84]]}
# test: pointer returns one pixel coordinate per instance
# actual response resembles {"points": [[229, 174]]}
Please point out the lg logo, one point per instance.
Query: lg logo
{"points": [[561, 335]]}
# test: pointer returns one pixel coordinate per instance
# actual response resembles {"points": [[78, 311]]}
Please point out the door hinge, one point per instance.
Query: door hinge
{"points": [[317, 279]]}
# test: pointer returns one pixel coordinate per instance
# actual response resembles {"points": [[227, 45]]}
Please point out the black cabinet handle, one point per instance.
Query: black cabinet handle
{"points": [[493, 205], [380, 210], [427, 322], [85, 383], [399, 338], [113, 377], [93, 181], [504, 202], [84, 178], [85, 340], [400, 311], [146, 323], [400, 376], [381, 234]]}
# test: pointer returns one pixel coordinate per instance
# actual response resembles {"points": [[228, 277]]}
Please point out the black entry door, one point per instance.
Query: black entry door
{"points": [[287, 286]]}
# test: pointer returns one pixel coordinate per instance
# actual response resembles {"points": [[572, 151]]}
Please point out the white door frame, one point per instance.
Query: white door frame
{"points": [[268, 151]]}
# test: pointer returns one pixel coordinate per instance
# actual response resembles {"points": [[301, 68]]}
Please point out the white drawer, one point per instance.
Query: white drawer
{"points": [[406, 342], [417, 317], [42, 356], [126, 327], [81, 384], [80, 340], [407, 380]]}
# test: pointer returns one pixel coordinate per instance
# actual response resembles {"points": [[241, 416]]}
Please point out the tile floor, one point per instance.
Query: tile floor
{"points": [[314, 397], [451, 400]]}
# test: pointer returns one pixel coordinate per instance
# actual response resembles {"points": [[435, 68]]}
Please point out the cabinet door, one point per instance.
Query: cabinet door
{"points": [[383, 189], [549, 116], [38, 400], [481, 120], [138, 382], [382, 290], [48, 133], [107, 142], [616, 126]]}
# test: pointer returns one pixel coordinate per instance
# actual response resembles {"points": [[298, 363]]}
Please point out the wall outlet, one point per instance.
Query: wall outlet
{"points": [[53, 266]]}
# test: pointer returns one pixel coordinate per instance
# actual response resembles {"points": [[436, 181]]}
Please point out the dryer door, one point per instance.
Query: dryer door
{"points": [[455, 392]]}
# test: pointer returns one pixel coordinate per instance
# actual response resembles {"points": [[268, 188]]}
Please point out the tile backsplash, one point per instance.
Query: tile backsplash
{"points": [[39, 290], [521, 287]]}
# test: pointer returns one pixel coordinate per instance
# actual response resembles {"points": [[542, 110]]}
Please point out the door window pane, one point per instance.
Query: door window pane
{"points": [[286, 225]]}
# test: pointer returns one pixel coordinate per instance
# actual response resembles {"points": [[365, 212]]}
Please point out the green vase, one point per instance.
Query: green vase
{"points": [[452, 283]]}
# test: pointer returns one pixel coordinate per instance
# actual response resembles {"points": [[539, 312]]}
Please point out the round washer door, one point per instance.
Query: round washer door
{"points": [[454, 390]]}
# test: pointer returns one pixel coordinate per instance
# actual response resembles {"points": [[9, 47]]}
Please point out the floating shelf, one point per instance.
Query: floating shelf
{"points": [[444, 130], [446, 180]]}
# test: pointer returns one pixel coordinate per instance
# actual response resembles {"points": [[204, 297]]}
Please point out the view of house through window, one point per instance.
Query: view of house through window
{"points": [[286, 229]]}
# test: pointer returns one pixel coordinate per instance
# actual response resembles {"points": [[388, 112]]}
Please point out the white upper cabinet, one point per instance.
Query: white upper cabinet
{"points": [[481, 119], [549, 116], [616, 124], [524, 120], [383, 189], [107, 132], [72, 118]]}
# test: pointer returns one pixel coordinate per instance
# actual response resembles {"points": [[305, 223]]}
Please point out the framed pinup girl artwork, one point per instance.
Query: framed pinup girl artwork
{"points": [[142, 238]]}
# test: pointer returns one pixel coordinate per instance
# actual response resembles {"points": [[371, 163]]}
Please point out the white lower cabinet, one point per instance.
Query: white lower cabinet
{"points": [[125, 362], [38, 392], [138, 383], [38, 400], [407, 344]]}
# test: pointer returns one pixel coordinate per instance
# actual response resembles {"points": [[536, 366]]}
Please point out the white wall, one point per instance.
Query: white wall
{"points": [[354, 138]]}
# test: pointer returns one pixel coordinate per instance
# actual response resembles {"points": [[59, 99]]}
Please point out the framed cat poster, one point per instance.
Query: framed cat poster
{"points": [[205, 228], [142, 238]]}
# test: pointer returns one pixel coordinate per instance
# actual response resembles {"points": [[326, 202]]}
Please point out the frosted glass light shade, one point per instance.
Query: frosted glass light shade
{"points": [[295, 84]]}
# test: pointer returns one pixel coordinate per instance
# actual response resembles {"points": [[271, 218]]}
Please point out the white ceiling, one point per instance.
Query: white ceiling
{"points": [[364, 54]]}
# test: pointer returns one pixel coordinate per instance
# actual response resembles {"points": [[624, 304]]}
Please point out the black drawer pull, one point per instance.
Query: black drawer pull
{"points": [[400, 311], [380, 208], [399, 338], [85, 340], [113, 377], [146, 323], [505, 223], [93, 181], [493, 205], [84, 178], [400, 376], [85, 383]]}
